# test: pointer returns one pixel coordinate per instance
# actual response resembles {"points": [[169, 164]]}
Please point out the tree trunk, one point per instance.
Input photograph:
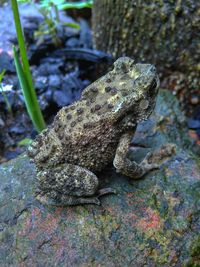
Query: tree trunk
{"points": [[162, 32]]}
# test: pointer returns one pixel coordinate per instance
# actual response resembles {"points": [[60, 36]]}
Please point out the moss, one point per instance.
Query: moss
{"points": [[194, 260]]}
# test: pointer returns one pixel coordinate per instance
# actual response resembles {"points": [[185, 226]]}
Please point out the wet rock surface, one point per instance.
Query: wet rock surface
{"points": [[154, 221]]}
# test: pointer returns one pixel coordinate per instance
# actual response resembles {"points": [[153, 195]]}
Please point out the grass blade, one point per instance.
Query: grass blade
{"points": [[24, 75], [30, 99]]}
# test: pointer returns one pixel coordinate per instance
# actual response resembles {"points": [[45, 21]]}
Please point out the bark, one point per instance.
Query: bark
{"points": [[162, 32]]}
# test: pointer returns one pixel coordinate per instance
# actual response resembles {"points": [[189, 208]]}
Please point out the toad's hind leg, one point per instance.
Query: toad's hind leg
{"points": [[68, 184]]}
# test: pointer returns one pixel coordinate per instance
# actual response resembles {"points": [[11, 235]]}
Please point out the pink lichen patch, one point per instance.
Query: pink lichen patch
{"points": [[151, 220], [30, 222], [49, 224], [132, 199], [36, 212], [130, 219], [130, 195], [195, 173], [59, 246], [58, 211], [36, 225], [69, 214], [188, 174], [113, 210], [110, 209]]}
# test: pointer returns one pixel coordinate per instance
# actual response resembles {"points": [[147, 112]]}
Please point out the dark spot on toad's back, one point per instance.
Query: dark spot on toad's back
{"points": [[108, 80], [80, 110], [92, 109], [92, 100], [69, 116], [73, 124], [113, 91], [124, 93], [108, 89], [110, 106], [88, 103], [94, 89], [97, 107], [87, 125]]}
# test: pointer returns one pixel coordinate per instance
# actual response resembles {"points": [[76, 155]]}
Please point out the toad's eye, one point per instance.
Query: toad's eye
{"points": [[152, 87], [144, 103]]}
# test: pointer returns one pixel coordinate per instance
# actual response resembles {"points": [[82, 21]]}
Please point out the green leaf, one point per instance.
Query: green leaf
{"points": [[29, 95], [23, 1], [75, 5], [24, 142], [2, 75], [72, 25]]}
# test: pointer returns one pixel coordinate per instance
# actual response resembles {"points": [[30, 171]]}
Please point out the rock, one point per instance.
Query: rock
{"points": [[193, 124], [17, 129], [72, 42], [48, 95], [55, 81], [85, 34], [2, 123], [15, 100], [61, 99], [11, 154], [72, 86], [40, 84], [46, 69], [6, 62], [154, 221], [7, 29], [44, 100]]}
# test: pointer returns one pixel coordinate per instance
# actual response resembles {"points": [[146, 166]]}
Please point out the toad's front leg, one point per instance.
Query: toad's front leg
{"points": [[68, 184], [126, 166]]}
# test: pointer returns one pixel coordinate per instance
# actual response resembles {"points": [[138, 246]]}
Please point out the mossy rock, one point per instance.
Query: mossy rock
{"points": [[154, 221]]}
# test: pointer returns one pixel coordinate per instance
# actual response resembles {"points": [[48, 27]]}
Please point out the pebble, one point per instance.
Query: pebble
{"points": [[194, 100]]}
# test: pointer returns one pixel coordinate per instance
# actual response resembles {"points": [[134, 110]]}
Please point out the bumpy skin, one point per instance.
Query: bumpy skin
{"points": [[91, 133]]}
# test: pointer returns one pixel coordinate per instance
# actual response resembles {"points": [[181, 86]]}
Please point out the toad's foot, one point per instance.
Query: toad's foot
{"points": [[132, 168], [105, 191], [71, 200], [67, 201], [162, 153]]}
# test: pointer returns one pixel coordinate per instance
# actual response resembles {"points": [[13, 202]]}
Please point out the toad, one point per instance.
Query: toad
{"points": [[93, 132]]}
